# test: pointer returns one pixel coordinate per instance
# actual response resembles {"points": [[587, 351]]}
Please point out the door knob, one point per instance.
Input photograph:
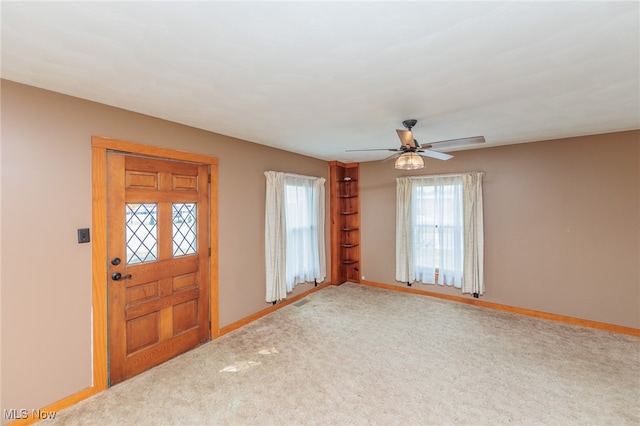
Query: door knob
{"points": [[117, 276]]}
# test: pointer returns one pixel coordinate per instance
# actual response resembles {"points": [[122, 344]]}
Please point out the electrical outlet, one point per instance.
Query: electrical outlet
{"points": [[83, 235], [363, 277]]}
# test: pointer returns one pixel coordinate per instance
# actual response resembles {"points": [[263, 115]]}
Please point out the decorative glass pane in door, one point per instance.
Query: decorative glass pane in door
{"points": [[141, 232], [184, 229]]}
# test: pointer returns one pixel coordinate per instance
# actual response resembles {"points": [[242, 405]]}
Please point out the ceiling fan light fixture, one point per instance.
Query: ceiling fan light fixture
{"points": [[409, 161]]}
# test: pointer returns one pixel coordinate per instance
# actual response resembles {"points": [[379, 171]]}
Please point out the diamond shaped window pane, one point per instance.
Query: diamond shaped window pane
{"points": [[184, 229], [141, 233]]}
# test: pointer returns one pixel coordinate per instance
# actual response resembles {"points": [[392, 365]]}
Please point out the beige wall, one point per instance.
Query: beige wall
{"points": [[46, 196], [562, 225]]}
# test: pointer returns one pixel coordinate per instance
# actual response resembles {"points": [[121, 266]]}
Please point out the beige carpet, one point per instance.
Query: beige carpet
{"points": [[359, 355]]}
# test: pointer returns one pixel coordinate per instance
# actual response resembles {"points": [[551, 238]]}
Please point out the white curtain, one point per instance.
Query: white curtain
{"points": [[473, 281], [439, 227], [294, 232], [275, 237], [404, 244]]}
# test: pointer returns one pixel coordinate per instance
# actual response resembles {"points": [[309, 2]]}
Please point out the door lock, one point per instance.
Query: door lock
{"points": [[115, 261]]}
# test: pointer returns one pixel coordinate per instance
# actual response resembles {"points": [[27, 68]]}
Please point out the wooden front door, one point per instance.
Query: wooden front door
{"points": [[158, 261]]}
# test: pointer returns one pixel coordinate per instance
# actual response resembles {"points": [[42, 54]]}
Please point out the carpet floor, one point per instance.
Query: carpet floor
{"points": [[354, 354]]}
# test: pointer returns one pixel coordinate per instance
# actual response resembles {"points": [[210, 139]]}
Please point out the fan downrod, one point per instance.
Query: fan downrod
{"points": [[409, 123]]}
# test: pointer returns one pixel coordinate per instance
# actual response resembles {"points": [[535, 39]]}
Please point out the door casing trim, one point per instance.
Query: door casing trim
{"points": [[99, 148]]}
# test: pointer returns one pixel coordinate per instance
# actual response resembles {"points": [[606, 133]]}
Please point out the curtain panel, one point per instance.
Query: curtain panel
{"points": [[473, 281], [274, 237], [404, 240]]}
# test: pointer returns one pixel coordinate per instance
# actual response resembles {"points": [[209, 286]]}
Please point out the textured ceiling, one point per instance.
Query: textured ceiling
{"points": [[322, 77]]}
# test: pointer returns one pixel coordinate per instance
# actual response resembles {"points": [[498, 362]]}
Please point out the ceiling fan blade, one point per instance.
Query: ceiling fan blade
{"points": [[397, 154], [406, 138], [458, 142], [435, 154], [375, 149]]}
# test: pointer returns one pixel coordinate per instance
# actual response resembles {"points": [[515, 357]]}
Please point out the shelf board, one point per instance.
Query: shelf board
{"points": [[349, 229], [349, 261], [349, 245], [347, 213], [348, 196]]}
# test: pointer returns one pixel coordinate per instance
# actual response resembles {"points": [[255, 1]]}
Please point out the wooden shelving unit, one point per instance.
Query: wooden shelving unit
{"points": [[345, 221]]}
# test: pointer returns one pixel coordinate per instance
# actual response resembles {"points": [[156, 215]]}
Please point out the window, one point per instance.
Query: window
{"points": [[141, 232], [294, 232], [439, 231], [184, 228], [301, 221]]}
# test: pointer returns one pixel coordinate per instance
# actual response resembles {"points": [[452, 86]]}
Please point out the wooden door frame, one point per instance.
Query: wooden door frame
{"points": [[99, 148]]}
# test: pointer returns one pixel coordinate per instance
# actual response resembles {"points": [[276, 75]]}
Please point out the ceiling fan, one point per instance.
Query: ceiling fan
{"points": [[409, 155]]}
